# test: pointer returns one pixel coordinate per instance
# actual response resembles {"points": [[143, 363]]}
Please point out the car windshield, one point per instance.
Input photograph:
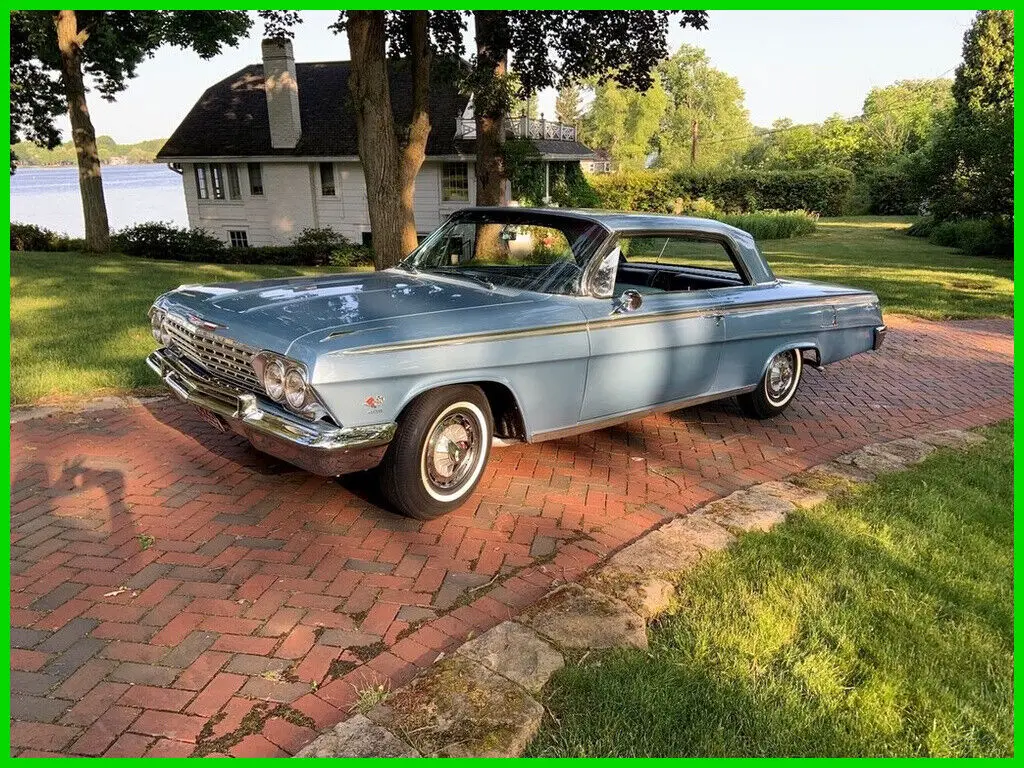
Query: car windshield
{"points": [[528, 250]]}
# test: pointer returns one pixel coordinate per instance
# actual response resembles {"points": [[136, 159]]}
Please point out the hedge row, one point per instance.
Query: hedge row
{"points": [[825, 191], [159, 240], [975, 237]]}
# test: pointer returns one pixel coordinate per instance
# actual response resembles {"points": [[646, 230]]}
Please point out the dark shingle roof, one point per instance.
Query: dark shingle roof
{"points": [[230, 119]]}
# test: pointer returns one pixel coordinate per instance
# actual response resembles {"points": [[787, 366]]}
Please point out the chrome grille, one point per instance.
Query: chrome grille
{"points": [[223, 358]]}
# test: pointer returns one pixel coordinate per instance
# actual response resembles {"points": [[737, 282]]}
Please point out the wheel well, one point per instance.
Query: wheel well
{"points": [[508, 419], [811, 355]]}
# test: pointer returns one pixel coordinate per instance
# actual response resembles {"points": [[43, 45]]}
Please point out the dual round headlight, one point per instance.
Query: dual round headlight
{"points": [[286, 383], [158, 327]]}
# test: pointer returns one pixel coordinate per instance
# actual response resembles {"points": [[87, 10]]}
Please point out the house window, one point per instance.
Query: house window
{"points": [[217, 181], [255, 179], [201, 188], [367, 240], [327, 179], [455, 183], [234, 188], [238, 238]]}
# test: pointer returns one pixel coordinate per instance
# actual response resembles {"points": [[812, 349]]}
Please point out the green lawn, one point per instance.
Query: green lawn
{"points": [[879, 625], [78, 322], [910, 275]]}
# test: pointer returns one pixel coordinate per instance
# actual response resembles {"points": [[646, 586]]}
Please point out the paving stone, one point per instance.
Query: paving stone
{"points": [[832, 476], [415, 613], [347, 638], [645, 593], [748, 510], [32, 683], [459, 708], [358, 737], [67, 663], [578, 617], [37, 708], [674, 548], [148, 575], [273, 690], [57, 596], [143, 674], [26, 638], [515, 652], [952, 438], [67, 635], [874, 463], [907, 450], [801, 498], [246, 664], [188, 650]]}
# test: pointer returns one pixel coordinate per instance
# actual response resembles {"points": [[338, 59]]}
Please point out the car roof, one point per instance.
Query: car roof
{"points": [[623, 221]]}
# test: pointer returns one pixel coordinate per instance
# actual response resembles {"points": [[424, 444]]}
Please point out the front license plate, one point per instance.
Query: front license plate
{"points": [[212, 419]]}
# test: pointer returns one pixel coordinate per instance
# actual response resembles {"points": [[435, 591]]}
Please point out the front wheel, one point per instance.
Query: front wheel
{"points": [[439, 452], [776, 388]]}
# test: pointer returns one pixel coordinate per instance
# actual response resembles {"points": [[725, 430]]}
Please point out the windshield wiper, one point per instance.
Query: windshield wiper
{"points": [[468, 275], [406, 268]]}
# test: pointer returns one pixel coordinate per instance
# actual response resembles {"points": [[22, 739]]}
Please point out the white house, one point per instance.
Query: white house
{"points": [[271, 150]]}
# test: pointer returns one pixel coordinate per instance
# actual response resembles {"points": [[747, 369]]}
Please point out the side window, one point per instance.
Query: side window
{"points": [[327, 179], [234, 188], [255, 179], [202, 190], [658, 263]]}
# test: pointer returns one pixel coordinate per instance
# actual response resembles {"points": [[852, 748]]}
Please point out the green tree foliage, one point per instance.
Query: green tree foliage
{"points": [[625, 122], [900, 118], [973, 154], [110, 152], [569, 104], [705, 117], [52, 52]]}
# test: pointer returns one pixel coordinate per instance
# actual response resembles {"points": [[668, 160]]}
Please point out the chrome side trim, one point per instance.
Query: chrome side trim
{"points": [[610, 321], [316, 446], [610, 421]]}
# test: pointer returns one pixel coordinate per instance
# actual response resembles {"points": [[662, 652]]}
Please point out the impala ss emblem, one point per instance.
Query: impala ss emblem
{"points": [[206, 325], [374, 401]]}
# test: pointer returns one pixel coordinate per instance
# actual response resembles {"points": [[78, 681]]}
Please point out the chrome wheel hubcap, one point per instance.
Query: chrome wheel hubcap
{"points": [[452, 450], [781, 377]]}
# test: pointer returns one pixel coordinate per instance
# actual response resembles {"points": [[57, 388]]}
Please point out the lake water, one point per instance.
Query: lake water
{"points": [[49, 197]]}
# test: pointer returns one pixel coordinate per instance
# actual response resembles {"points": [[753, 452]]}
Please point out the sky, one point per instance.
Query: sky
{"points": [[804, 65]]}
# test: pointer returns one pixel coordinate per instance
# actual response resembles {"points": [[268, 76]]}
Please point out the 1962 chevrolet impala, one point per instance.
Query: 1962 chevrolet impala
{"points": [[506, 322]]}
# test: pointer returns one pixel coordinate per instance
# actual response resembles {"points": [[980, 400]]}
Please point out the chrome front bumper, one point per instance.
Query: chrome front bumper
{"points": [[320, 448]]}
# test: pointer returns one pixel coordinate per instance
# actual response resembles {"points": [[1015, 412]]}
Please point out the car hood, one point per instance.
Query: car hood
{"points": [[272, 314]]}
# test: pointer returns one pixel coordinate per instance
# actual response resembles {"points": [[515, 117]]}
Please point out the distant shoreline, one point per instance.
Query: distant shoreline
{"points": [[102, 165]]}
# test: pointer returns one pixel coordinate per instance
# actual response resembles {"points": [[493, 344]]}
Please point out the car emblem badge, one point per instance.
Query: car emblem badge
{"points": [[206, 325], [374, 401]]}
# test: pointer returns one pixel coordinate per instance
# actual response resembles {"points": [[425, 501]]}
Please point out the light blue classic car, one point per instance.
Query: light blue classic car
{"points": [[504, 324]]}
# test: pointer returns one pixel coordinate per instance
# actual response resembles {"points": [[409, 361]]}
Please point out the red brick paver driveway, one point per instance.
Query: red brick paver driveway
{"points": [[179, 594]]}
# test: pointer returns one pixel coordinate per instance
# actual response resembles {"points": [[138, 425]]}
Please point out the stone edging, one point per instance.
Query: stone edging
{"points": [[480, 700], [21, 413]]}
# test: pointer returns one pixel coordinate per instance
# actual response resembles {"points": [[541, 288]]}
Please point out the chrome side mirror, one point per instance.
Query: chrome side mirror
{"points": [[630, 301]]}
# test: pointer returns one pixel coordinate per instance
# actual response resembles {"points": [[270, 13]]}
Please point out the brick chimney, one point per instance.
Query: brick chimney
{"points": [[282, 93]]}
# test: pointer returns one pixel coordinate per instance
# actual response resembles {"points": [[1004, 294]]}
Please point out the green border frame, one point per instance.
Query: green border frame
{"points": [[528, 4]]}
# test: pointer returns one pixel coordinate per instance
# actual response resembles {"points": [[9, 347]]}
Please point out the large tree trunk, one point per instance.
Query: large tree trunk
{"points": [[491, 56], [390, 167], [375, 134], [415, 149], [70, 41]]}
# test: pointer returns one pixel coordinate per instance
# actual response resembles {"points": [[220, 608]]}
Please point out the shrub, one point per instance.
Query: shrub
{"points": [[825, 191], [772, 225], [30, 237], [900, 189], [163, 240], [975, 237]]}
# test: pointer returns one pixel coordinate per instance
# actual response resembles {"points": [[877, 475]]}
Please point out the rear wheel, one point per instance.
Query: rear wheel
{"points": [[776, 388], [439, 452]]}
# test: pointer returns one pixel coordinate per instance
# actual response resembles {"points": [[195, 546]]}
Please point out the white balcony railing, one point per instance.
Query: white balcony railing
{"points": [[522, 127]]}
